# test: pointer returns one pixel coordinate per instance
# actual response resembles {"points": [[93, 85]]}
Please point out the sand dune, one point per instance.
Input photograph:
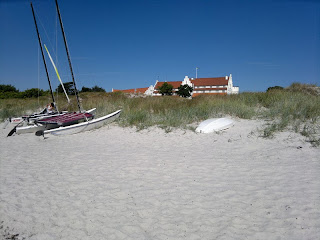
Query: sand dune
{"points": [[116, 183]]}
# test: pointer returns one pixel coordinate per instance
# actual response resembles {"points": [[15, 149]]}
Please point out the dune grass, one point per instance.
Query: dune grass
{"points": [[296, 110]]}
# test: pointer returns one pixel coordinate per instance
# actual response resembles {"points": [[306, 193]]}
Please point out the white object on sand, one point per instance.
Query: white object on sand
{"points": [[214, 125]]}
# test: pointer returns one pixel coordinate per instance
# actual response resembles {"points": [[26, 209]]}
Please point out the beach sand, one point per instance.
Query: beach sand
{"points": [[117, 183]]}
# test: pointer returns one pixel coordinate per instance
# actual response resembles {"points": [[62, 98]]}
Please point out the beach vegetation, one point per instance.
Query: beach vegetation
{"points": [[32, 92], [310, 89], [288, 109], [274, 88], [8, 91]]}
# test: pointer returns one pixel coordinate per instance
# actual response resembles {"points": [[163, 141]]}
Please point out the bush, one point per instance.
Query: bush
{"points": [[185, 91], [275, 88]]}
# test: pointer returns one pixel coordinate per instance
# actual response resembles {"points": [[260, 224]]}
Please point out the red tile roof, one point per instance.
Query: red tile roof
{"points": [[141, 90], [219, 81], [134, 90], [125, 91]]}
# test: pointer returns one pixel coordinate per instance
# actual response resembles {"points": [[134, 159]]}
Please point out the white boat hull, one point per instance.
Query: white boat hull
{"points": [[214, 125], [33, 128], [84, 126]]}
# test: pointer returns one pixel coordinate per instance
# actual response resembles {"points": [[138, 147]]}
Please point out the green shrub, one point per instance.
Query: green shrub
{"points": [[165, 89], [184, 91], [275, 88]]}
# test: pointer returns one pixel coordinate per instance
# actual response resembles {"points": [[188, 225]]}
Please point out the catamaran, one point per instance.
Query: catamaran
{"points": [[79, 127], [73, 122], [23, 123]]}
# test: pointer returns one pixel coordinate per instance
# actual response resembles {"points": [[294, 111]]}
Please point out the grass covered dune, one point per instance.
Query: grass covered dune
{"points": [[292, 109]]}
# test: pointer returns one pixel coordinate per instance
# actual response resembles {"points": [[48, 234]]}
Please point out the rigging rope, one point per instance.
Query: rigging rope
{"points": [[39, 20]]}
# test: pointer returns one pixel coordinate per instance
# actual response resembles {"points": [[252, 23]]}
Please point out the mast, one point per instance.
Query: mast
{"points": [[44, 60], [67, 50]]}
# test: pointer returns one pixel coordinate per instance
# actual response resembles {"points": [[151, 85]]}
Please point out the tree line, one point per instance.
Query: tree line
{"points": [[9, 91]]}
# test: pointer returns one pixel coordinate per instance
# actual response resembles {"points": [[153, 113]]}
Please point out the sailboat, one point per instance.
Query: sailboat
{"points": [[70, 123], [25, 124], [61, 123]]}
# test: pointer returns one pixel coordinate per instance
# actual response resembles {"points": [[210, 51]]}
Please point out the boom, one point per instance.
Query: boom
{"points": [[55, 68]]}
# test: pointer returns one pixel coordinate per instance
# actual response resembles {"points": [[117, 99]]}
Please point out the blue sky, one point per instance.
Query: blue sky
{"points": [[129, 44]]}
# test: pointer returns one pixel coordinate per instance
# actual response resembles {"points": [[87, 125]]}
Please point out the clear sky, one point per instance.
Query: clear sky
{"points": [[131, 43]]}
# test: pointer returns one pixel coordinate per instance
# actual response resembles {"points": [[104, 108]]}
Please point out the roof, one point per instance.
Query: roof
{"points": [[141, 90], [174, 84], [133, 90], [219, 81]]}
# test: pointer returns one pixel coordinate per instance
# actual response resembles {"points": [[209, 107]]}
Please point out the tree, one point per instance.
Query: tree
{"points": [[33, 92], [7, 88], [184, 91], [98, 89], [94, 89], [85, 89], [165, 89], [68, 86]]}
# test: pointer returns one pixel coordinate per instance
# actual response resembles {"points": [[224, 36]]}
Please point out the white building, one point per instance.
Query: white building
{"points": [[214, 86]]}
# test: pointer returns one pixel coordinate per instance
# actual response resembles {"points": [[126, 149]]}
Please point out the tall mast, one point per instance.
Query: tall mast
{"points": [[44, 60], [67, 50]]}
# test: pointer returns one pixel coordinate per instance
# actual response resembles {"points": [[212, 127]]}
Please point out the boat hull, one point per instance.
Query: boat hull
{"points": [[214, 125], [81, 127], [34, 128]]}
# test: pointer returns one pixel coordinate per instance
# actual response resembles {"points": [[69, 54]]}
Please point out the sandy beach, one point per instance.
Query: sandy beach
{"points": [[117, 183]]}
